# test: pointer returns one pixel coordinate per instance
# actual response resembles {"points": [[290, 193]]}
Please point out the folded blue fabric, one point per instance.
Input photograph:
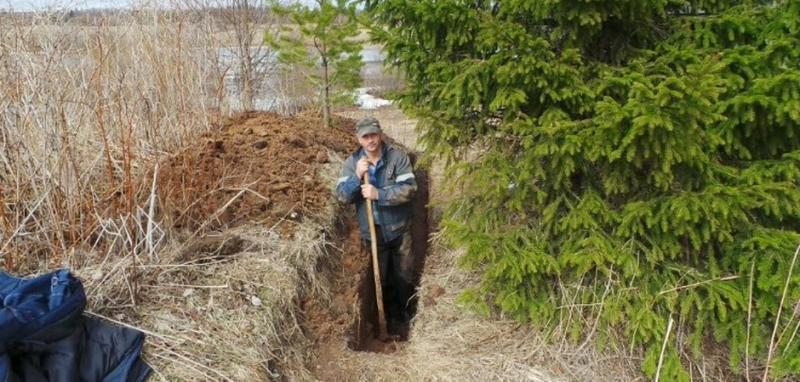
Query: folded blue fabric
{"points": [[45, 338]]}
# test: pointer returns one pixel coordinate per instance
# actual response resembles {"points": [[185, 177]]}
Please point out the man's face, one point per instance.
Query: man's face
{"points": [[371, 143]]}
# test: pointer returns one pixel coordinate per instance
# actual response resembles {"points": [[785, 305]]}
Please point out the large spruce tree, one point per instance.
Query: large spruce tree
{"points": [[630, 163]]}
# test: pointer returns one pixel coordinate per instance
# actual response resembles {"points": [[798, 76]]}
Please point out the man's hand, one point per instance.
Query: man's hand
{"points": [[369, 191], [362, 167]]}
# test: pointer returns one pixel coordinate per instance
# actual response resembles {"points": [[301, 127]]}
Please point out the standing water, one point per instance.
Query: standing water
{"points": [[270, 94]]}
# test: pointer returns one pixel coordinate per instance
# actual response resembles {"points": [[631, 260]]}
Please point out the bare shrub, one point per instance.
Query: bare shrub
{"points": [[85, 109], [248, 64]]}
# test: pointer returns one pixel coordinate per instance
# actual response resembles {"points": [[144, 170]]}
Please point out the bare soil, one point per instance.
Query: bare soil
{"points": [[255, 167]]}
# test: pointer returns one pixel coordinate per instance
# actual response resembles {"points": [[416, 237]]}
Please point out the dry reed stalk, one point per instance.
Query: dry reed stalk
{"points": [[8, 258], [749, 326], [151, 216], [99, 111]]}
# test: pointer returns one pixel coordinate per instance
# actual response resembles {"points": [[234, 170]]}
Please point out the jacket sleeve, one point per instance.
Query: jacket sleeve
{"points": [[404, 187], [348, 188]]}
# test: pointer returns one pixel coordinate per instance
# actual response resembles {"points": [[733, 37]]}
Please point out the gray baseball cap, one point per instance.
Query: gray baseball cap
{"points": [[368, 126]]}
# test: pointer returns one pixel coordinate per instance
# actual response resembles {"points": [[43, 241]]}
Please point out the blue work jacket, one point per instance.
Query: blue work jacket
{"points": [[394, 179]]}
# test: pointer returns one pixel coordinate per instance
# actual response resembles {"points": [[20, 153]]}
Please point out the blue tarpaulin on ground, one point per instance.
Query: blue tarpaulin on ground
{"points": [[45, 338]]}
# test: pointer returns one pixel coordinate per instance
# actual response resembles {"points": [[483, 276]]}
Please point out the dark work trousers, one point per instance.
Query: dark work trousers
{"points": [[396, 269]]}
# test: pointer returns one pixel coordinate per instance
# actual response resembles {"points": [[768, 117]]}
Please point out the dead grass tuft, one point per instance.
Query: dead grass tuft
{"points": [[215, 314]]}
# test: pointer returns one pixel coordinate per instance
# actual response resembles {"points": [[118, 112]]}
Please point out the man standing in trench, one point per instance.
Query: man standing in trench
{"points": [[390, 188]]}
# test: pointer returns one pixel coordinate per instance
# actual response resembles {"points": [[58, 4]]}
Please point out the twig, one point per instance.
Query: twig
{"points": [[152, 233], [726, 278], [663, 349], [794, 335], [221, 209], [195, 363], [149, 333], [283, 218], [224, 207], [187, 286], [599, 312], [25, 220], [772, 343], [190, 364], [150, 218], [491, 337]]}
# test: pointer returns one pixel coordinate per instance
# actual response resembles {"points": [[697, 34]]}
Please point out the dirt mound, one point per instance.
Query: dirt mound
{"points": [[254, 167]]}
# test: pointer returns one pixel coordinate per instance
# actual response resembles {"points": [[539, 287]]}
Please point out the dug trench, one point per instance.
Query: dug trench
{"points": [[349, 321], [365, 330]]}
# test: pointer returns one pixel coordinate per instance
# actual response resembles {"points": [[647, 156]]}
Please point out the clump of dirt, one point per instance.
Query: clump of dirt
{"points": [[255, 167], [210, 248]]}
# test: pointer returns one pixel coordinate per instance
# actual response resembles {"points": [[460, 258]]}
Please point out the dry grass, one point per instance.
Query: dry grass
{"points": [[213, 313], [494, 348], [85, 111]]}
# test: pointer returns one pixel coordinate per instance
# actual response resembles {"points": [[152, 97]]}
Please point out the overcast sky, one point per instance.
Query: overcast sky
{"points": [[31, 5]]}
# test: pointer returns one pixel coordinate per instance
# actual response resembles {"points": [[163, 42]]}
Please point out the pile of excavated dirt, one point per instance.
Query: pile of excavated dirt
{"points": [[255, 167]]}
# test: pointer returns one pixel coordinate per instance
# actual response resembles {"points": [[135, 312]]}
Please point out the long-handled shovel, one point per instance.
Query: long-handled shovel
{"points": [[376, 267]]}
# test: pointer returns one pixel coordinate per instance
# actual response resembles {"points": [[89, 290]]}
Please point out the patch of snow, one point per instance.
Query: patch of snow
{"points": [[367, 101]]}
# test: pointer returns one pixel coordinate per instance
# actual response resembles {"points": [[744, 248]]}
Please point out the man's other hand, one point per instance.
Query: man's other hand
{"points": [[369, 191]]}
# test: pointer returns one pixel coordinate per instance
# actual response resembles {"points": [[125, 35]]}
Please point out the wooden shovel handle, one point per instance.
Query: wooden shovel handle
{"points": [[375, 266]]}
